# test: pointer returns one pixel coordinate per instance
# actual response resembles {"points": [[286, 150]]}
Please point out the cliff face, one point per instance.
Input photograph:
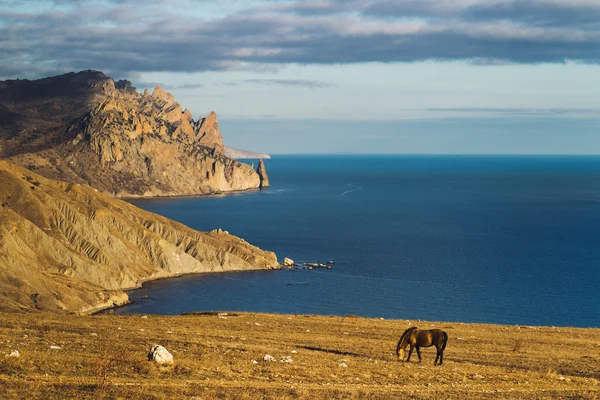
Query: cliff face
{"points": [[65, 246], [86, 128]]}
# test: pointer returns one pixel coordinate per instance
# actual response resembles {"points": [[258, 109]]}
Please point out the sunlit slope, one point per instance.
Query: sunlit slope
{"points": [[69, 247]]}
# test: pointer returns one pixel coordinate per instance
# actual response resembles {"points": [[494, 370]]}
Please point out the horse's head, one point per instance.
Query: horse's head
{"points": [[403, 342], [400, 354]]}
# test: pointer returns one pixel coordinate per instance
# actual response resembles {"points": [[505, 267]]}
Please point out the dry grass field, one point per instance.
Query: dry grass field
{"points": [[104, 356]]}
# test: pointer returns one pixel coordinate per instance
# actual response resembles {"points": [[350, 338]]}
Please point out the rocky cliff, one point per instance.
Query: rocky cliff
{"points": [[86, 128], [68, 247], [262, 173]]}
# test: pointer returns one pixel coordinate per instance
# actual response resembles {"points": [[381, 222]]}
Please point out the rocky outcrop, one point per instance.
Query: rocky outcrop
{"points": [[262, 173], [208, 133], [86, 128], [244, 154], [68, 247]]}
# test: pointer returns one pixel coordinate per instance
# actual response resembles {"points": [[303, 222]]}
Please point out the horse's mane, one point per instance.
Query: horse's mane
{"points": [[406, 332]]}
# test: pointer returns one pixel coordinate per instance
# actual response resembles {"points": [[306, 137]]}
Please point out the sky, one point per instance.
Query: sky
{"points": [[332, 76]]}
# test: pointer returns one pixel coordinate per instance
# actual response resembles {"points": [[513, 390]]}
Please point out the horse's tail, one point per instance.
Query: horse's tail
{"points": [[445, 340]]}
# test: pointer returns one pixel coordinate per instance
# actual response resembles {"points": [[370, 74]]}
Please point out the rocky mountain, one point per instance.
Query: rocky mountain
{"points": [[238, 153], [86, 128], [68, 247]]}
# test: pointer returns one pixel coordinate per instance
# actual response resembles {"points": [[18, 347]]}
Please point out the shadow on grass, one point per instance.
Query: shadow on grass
{"points": [[339, 352]]}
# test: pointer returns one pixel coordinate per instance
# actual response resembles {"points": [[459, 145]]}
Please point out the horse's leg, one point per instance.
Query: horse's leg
{"points": [[410, 352], [419, 352], [441, 356], [437, 355]]}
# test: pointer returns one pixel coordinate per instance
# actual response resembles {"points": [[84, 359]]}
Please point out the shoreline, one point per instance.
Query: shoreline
{"points": [[196, 195], [100, 309]]}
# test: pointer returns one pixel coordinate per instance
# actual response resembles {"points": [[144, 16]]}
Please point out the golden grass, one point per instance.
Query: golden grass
{"points": [[104, 356]]}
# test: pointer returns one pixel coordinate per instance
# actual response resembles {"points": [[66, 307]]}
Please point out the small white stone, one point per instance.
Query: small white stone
{"points": [[254, 362], [343, 365], [269, 358], [93, 334], [144, 317], [14, 353], [56, 347], [293, 351]]}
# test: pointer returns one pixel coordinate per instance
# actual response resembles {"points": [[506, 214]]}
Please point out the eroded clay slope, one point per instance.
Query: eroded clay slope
{"points": [[66, 246]]}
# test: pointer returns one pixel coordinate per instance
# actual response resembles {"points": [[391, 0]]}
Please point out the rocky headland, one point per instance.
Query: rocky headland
{"points": [[86, 128], [68, 247], [238, 153]]}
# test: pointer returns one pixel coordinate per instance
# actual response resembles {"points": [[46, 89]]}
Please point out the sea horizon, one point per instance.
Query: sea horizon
{"points": [[498, 239]]}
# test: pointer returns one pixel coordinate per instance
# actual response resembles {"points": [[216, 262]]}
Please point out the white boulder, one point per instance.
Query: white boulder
{"points": [[269, 358], [288, 262], [160, 355]]}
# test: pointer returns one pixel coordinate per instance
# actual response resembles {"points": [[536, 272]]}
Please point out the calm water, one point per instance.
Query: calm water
{"points": [[459, 238]]}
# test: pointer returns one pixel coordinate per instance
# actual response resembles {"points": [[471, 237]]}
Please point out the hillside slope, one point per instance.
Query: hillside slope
{"points": [[66, 246], [317, 357]]}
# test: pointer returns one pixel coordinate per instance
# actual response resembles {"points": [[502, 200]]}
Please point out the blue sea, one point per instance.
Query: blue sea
{"points": [[494, 239]]}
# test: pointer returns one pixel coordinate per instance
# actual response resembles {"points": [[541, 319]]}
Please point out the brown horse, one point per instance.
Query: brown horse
{"points": [[418, 338]]}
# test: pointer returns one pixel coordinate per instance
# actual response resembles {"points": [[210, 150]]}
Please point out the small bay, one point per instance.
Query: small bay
{"points": [[496, 239]]}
